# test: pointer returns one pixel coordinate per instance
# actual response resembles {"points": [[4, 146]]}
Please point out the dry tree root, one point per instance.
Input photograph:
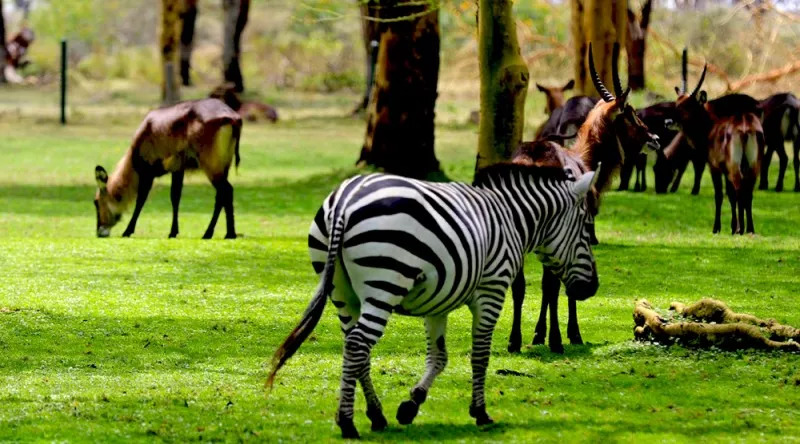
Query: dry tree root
{"points": [[727, 330]]}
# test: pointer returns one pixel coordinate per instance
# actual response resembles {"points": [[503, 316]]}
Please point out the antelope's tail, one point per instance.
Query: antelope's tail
{"points": [[315, 308]]}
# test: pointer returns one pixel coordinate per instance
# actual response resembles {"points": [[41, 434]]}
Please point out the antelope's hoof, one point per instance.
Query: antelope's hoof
{"points": [[481, 417], [349, 430], [576, 339], [538, 339], [779, 188], [695, 192], [763, 186], [230, 236], [208, 235], [557, 348], [797, 187], [406, 412], [127, 234], [173, 235], [514, 347], [378, 420]]}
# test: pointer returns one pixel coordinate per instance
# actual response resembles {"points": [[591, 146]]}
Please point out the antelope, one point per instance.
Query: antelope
{"points": [[731, 133], [564, 117], [202, 134], [654, 116], [781, 123], [612, 132], [250, 111]]}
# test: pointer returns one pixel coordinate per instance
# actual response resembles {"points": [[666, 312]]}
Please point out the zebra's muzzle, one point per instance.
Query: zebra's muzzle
{"points": [[583, 290]]}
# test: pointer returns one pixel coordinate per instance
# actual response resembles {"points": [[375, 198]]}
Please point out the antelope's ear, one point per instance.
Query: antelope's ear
{"points": [[584, 185], [702, 97], [569, 85], [541, 88], [101, 177], [678, 91], [623, 98]]}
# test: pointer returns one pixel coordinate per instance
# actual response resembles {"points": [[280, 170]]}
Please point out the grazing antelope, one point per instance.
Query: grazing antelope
{"points": [[781, 123], [202, 134], [384, 244], [611, 133], [730, 131]]}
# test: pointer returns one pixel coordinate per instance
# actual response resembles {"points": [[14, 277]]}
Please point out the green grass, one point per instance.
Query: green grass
{"points": [[150, 338]]}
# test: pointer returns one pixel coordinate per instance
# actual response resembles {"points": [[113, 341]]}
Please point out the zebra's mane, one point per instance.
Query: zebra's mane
{"points": [[505, 169]]}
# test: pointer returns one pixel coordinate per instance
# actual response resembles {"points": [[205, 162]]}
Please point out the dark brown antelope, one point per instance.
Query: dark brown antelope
{"points": [[731, 133], [554, 95], [202, 134], [612, 131], [781, 122]]}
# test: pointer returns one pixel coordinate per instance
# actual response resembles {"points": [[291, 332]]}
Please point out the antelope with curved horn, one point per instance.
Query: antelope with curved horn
{"points": [[612, 131], [730, 132], [201, 134]]}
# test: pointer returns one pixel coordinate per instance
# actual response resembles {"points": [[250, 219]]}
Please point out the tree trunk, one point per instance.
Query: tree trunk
{"points": [[637, 36], [601, 22], [235, 12], [170, 89], [188, 18], [3, 52], [370, 33], [400, 116], [504, 83]]}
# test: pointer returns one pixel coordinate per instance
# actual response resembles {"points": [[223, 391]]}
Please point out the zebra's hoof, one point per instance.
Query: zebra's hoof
{"points": [[481, 417], [576, 340], [208, 235], [406, 412], [557, 348], [763, 186], [538, 339], [230, 236], [349, 430], [378, 420], [514, 347], [779, 188]]}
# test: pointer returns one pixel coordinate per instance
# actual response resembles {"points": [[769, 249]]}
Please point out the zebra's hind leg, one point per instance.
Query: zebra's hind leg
{"points": [[485, 311], [435, 362]]}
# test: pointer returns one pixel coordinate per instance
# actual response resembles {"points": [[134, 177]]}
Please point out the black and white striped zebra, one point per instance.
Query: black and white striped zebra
{"points": [[384, 244]]}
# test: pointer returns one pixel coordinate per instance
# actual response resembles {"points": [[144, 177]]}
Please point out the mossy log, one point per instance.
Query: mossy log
{"points": [[728, 331]]}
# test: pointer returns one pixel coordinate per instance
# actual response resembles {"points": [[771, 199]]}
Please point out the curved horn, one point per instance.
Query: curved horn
{"points": [[598, 84], [615, 70], [700, 83], [685, 71]]}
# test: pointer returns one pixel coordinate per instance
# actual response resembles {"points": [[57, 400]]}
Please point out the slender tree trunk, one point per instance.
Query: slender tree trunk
{"points": [[504, 83], [603, 23], [170, 88], [370, 33], [636, 46], [400, 116], [235, 12], [188, 18], [3, 51]]}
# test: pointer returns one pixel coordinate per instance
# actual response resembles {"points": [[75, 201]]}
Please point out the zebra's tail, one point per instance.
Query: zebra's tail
{"points": [[315, 308]]}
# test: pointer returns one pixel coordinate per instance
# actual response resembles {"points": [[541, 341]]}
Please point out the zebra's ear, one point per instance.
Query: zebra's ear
{"points": [[585, 184]]}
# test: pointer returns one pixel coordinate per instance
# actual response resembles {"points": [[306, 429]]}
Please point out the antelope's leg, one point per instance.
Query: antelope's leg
{"points": [[732, 199], [625, 176], [573, 331], [145, 184], [765, 161], [552, 287], [748, 202], [797, 161], [784, 163], [716, 178], [227, 203], [435, 362], [540, 333], [699, 162], [175, 196], [221, 185], [484, 317], [679, 170], [518, 296], [641, 168]]}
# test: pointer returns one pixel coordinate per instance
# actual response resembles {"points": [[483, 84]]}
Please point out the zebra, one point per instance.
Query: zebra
{"points": [[382, 244]]}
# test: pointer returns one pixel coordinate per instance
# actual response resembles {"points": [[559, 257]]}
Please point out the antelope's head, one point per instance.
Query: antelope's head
{"points": [[632, 134], [107, 212], [689, 107], [554, 95], [566, 246]]}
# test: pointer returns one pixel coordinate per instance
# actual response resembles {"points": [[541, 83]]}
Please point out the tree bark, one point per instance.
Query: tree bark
{"points": [[235, 17], [3, 51], [188, 18], [601, 22], [400, 116], [504, 83], [636, 45], [370, 34], [170, 89]]}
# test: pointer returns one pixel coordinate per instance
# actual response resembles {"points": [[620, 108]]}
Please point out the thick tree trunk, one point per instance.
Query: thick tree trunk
{"points": [[170, 89], [235, 12], [400, 116], [636, 45], [603, 22], [3, 51], [504, 83], [188, 18]]}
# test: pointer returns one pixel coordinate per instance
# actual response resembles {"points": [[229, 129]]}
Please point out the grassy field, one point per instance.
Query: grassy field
{"points": [[149, 338]]}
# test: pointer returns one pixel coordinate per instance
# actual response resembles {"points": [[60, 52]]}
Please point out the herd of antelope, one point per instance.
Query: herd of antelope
{"points": [[544, 200]]}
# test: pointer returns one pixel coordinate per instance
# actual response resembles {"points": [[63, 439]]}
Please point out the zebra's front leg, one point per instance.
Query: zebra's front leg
{"points": [[485, 311], [435, 363], [573, 331], [551, 286]]}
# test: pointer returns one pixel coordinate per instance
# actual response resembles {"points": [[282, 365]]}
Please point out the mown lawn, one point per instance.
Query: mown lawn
{"points": [[150, 338]]}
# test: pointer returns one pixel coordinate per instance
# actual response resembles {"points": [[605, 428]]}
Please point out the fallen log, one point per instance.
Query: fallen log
{"points": [[719, 327]]}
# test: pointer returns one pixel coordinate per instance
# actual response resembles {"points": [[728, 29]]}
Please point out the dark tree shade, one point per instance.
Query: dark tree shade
{"points": [[188, 18]]}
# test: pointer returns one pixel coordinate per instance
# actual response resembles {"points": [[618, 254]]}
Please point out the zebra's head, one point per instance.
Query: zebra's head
{"points": [[565, 247]]}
